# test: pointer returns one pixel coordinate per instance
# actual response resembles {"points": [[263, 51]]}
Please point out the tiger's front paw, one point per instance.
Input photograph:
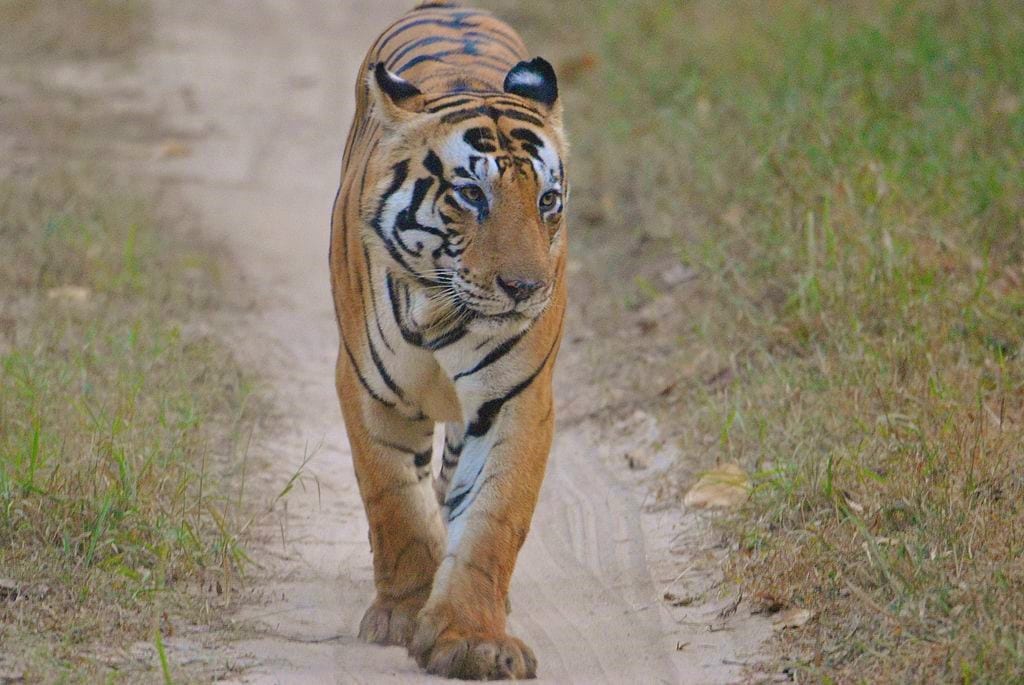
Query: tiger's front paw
{"points": [[440, 647], [389, 623]]}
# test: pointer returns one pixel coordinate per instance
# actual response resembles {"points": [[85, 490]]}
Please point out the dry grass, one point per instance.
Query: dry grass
{"points": [[846, 180], [118, 423], [122, 423]]}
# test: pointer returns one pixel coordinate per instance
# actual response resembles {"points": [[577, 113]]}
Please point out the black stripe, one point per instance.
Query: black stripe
{"points": [[493, 36], [435, 4], [456, 22], [409, 336], [494, 113], [330, 245], [433, 164], [521, 116], [401, 173], [366, 170], [509, 102], [406, 219], [488, 411], [527, 136], [478, 61], [449, 105], [373, 302], [465, 95], [454, 503], [420, 459], [362, 380], [384, 375], [480, 139], [465, 114], [407, 47], [449, 338], [493, 356]]}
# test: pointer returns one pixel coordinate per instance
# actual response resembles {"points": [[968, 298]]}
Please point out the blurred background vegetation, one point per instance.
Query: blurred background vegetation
{"points": [[804, 223]]}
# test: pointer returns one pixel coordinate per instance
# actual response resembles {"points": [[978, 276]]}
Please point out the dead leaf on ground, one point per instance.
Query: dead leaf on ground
{"points": [[636, 462], [9, 590], [12, 591], [9, 674], [574, 67], [704, 107], [724, 376], [678, 274], [855, 506], [647, 326], [791, 618], [173, 149], [733, 216], [679, 601], [74, 294], [724, 487], [1006, 103], [767, 603]]}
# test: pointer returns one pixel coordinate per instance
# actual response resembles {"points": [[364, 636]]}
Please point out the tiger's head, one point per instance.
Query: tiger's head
{"points": [[470, 191]]}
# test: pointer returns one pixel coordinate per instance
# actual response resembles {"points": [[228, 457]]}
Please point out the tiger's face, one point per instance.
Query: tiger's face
{"points": [[471, 196]]}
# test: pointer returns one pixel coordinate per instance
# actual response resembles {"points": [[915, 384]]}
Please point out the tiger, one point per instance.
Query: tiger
{"points": [[447, 258]]}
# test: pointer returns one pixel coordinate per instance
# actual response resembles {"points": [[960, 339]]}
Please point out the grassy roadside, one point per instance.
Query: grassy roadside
{"points": [[122, 424], [845, 184]]}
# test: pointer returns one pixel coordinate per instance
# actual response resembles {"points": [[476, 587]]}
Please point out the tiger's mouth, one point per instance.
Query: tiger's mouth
{"points": [[494, 309], [452, 302]]}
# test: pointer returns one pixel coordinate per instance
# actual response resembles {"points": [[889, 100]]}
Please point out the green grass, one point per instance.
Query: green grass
{"points": [[118, 424], [848, 181], [122, 421]]}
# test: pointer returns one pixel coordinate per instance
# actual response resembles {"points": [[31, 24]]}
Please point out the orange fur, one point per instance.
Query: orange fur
{"points": [[413, 353]]}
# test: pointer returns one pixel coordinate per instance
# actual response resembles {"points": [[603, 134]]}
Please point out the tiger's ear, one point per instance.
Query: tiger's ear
{"points": [[396, 100], [534, 80]]}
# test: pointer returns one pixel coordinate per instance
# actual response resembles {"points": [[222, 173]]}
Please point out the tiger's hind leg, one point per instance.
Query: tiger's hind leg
{"points": [[392, 455]]}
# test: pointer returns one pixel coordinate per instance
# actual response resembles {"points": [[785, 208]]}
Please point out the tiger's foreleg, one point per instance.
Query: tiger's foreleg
{"points": [[392, 463], [490, 501], [454, 438]]}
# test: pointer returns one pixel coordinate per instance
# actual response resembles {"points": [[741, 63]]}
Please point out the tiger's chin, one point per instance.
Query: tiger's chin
{"points": [[508, 322]]}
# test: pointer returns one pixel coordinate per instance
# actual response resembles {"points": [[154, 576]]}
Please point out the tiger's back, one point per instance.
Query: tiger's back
{"points": [[446, 50]]}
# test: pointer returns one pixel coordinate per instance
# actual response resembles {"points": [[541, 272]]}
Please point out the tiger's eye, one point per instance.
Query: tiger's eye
{"points": [[471, 194], [548, 199]]}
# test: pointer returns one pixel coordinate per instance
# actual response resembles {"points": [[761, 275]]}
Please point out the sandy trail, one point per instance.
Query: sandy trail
{"points": [[261, 90]]}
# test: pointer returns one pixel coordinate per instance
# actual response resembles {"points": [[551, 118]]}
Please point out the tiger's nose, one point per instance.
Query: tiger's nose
{"points": [[520, 289]]}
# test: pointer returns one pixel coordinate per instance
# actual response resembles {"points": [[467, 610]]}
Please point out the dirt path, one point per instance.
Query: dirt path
{"points": [[259, 93]]}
